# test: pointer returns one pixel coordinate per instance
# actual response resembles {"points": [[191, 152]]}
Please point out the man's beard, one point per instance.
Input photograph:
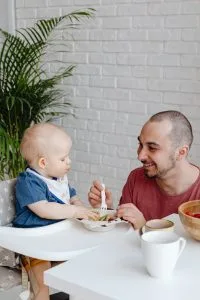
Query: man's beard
{"points": [[162, 173]]}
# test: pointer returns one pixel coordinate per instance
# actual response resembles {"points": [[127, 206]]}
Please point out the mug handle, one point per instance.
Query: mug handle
{"points": [[142, 230], [182, 242]]}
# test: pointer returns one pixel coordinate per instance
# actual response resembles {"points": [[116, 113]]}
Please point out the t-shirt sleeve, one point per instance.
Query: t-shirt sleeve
{"points": [[72, 192], [127, 191], [29, 189]]}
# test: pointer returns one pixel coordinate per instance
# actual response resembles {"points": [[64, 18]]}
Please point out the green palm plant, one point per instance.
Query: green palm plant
{"points": [[27, 94]]}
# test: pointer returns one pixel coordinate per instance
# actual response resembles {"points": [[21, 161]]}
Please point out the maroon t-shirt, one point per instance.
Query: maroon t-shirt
{"points": [[150, 199]]}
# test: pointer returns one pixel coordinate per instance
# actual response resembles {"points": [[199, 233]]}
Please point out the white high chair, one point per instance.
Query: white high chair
{"points": [[10, 276], [14, 282], [56, 242]]}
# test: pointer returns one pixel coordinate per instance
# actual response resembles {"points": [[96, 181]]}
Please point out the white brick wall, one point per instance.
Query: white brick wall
{"points": [[135, 58]]}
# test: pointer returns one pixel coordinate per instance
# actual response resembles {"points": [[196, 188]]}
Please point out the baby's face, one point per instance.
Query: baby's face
{"points": [[57, 161]]}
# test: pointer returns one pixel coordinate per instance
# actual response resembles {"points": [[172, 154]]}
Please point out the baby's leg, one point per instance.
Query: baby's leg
{"points": [[37, 270]]}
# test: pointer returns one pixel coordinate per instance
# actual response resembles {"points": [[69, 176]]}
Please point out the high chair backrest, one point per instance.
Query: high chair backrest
{"points": [[7, 198], [10, 276], [7, 212]]}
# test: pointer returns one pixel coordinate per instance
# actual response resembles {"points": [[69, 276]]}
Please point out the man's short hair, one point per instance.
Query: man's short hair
{"points": [[181, 132]]}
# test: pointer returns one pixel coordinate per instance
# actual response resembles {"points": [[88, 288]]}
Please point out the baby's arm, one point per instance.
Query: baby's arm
{"points": [[76, 201], [56, 211]]}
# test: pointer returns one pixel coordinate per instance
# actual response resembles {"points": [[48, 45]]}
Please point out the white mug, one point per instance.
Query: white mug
{"points": [[161, 250], [158, 224]]}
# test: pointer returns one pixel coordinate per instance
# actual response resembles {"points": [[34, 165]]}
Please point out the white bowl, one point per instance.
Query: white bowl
{"points": [[101, 226]]}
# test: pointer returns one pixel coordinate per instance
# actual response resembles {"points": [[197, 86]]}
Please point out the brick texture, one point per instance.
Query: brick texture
{"points": [[135, 58]]}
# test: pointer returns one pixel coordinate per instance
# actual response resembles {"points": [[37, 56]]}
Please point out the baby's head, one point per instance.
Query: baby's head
{"points": [[46, 148]]}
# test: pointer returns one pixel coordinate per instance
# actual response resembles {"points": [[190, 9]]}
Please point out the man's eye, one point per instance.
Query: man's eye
{"points": [[152, 149]]}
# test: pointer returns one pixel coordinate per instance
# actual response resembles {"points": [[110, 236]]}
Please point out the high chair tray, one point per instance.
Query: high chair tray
{"points": [[57, 242]]}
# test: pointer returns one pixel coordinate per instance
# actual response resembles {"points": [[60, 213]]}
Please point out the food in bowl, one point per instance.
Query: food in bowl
{"points": [[103, 221], [189, 213], [106, 217], [195, 215]]}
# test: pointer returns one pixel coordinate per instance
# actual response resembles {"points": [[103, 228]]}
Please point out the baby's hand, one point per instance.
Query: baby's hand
{"points": [[83, 212]]}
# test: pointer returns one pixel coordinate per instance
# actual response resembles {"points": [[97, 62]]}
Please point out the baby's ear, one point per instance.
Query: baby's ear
{"points": [[42, 162]]}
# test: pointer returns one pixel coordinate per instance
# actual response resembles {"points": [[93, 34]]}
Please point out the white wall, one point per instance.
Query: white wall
{"points": [[7, 15], [134, 59]]}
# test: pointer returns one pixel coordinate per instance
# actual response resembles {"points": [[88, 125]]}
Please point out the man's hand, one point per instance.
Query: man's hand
{"points": [[94, 195], [129, 212]]}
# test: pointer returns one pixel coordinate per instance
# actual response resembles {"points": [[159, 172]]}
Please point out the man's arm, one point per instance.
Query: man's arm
{"points": [[132, 214], [128, 206]]}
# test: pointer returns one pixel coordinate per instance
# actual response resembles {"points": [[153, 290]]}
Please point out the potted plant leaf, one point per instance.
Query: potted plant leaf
{"points": [[27, 94]]}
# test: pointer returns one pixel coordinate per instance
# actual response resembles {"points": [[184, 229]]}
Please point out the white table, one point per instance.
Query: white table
{"points": [[115, 271]]}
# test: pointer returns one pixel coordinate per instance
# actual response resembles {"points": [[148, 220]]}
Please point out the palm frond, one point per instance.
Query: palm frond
{"points": [[27, 93]]}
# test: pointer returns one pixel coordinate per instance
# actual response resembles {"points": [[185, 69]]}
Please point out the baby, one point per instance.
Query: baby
{"points": [[43, 194]]}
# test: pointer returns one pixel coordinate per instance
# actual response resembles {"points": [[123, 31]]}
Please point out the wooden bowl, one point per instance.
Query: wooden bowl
{"points": [[191, 224]]}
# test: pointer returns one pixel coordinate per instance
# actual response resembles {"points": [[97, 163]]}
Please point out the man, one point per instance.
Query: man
{"points": [[166, 178]]}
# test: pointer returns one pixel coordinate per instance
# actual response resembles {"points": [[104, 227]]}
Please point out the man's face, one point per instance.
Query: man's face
{"points": [[155, 150]]}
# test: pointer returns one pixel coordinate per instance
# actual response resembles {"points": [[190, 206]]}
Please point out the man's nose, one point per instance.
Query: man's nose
{"points": [[142, 154]]}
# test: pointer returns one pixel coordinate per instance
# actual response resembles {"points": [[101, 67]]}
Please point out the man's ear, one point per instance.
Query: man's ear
{"points": [[42, 162], [182, 152]]}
